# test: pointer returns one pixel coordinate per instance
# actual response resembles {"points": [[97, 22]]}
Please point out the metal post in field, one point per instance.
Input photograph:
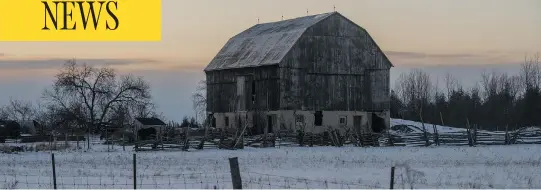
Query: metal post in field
{"points": [[54, 171], [235, 173], [392, 178], [134, 172]]}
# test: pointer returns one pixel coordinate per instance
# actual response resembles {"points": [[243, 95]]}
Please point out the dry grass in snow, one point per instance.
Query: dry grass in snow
{"points": [[516, 166]]}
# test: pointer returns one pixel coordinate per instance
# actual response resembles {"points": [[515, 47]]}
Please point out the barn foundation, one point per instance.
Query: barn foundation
{"points": [[307, 121]]}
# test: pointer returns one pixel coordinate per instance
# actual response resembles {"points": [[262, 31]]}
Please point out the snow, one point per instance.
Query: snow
{"points": [[417, 127], [495, 166], [512, 166], [407, 126]]}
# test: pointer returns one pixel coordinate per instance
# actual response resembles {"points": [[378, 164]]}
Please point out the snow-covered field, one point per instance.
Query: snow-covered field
{"points": [[417, 127], [511, 166]]}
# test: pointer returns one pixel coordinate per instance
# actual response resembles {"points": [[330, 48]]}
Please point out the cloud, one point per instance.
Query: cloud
{"points": [[419, 55], [2, 54], [23, 64], [420, 58], [27, 67]]}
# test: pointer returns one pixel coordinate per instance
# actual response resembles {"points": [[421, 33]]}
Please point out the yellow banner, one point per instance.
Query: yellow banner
{"points": [[80, 20]]}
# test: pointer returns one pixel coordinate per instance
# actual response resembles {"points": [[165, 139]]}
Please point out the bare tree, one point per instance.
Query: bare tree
{"points": [[147, 109], [199, 99], [415, 89], [18, 110], [451, 83], [531, 72], [88, 94], [489, 83], [497, 83]]}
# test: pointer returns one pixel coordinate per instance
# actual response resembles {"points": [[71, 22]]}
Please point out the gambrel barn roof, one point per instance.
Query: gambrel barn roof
{"points": [[266, 44]]}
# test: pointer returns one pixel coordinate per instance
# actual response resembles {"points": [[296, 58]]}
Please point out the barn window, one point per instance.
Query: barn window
{"points": [[343, 120], [226, 121], [318, 121]]}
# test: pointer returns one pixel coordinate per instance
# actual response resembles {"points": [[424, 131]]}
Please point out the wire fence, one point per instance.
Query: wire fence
{"points": [[254, 180], [176, 181], [403, 177], [131, 179]]}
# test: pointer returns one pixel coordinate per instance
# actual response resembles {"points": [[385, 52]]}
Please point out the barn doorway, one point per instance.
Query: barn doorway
{"points": [[212, 120], [253, 92], [378, 123], [318, 118], [357, 123], [270, 123], [258, 127]]}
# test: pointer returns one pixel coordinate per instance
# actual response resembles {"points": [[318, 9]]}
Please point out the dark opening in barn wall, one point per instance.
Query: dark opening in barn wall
{"points": [[270, 123], [258, 127], [357, 123], [318, 118], [253, 91], [378, 123], [226, 121], [212, 120], [146, 134]]}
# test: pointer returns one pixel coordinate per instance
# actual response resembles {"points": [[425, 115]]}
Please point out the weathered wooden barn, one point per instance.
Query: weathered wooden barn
{"points": [[310, 73]]}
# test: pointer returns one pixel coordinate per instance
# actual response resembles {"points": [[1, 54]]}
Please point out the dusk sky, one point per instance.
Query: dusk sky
{"points": [[458, 35]]}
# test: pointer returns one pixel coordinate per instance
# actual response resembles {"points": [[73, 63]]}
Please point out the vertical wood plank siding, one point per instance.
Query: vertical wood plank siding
{"points": [[222, 88], [336, 66]]}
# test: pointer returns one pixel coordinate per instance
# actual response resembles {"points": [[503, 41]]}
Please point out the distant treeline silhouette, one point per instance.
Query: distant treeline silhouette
{"points": [[496, 101]]}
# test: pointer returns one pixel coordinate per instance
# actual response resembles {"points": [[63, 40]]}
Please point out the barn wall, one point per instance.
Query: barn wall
{"points": [[285, 120], [335, 66], [222, 89]]}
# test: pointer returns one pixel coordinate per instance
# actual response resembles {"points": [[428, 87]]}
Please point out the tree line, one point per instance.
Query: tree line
{"points": [[497, 101], [86, 99]]}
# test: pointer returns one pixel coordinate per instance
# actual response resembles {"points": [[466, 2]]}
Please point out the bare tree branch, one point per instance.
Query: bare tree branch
{"points": [[199, 99]]}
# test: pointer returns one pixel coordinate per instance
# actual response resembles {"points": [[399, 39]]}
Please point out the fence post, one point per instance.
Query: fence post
{"points": [[54, 171], [390, 139], [134, 171], [311, 140], [235, 173], [507, 140], [392, 178], [469, 130]]}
